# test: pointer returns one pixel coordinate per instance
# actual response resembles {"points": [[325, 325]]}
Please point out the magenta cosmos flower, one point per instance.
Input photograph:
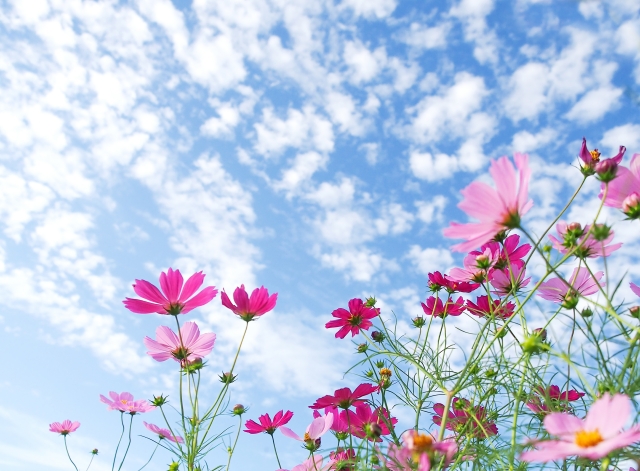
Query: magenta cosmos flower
{"points": [[267, 425], [175, 297], [248, 307], [623, 191], [566, 293], [163, 433], [435, 307], [344, 398], [64, 428], [483, 308], [124, 402], [368, 423], [593, 437], [168, 344], [354, 320], [466, 419], [551, 399], [418, 449], [591, 159], [496, 209], [437, 281]]}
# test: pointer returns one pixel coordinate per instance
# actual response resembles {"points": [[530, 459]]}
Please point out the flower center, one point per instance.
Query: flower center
{"points": [[595, 155], [587, 438], [355, 320], [180, 353], [124, 401], [306, 437], [422, 443]]}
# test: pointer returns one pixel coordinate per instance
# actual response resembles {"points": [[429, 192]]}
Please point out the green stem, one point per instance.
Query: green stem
{"points": [[128, 445], [149, 460], [235, 442], [275, 450], [67, 449], [115, 455]]}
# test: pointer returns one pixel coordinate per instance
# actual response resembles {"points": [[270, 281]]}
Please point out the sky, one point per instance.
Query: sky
{"points": [[314, 147]]}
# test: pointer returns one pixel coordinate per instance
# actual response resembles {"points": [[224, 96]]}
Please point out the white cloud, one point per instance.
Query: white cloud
{"points": [[370, 8], [371, 152], [628, 37], [423, 37], [432, 210], [473, 15], [329, 195], [430, 259], [343, 112], [393, 219], [363, 64], [524, 141], [300, 172], [527, 96], [356, 264], [595, 104], [625, 135], [229, 117], [431, 168]]}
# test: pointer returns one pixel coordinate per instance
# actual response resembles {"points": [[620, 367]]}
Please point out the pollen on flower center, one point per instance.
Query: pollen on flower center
{"points": [[422, 442], [587, 438], [306, 437], [595, 155]]}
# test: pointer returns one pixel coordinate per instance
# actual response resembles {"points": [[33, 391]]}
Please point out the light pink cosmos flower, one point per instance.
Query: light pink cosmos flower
{"points": [[593, 437], [248, 307], [163, 433], [64, 428], [316, 429], [635, 288], [496, 209], [174, 298], [466, 419], [567, 293], [418, 449], [357, 318], [622, 188], [313, 463], [583, 244], [508, 281], [124, 402], [168, 345]]}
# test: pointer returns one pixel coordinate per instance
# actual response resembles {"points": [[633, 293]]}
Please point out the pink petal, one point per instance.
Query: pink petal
{"points": [[287, 432], [146, 290], [191, 286], [608, 415], [200, 299], [562, 424], [171, 284], [635, 288], [143, 307], [203, 345]]}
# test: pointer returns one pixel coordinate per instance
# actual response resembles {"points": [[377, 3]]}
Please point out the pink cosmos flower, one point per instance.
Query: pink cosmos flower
{"points": [[621, 190], [593, 437], [354, 320], [163, 433], [496, 209], [572, 237], [344, 398], [482, 308], [567, 292], [511, 253], [418, 449], [435, 307], [174, 298], [508, 281], [592, 162], [339, 425], [343, 460], [476, 265], [124, 403], [168, 344], [313, 463], [64, 428], [635, 288], [267, 425], [318, 427], [552, 396], [466, 419], [248, 307], [368, 423], [437, 281]]}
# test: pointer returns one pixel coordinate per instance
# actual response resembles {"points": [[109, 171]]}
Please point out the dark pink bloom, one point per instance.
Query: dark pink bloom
{"points": [[354, 320], [344, 398], [169, 345], [593, 437], [64, 428], [248, 307], [621, 190], [553, 397], [635, 288], [589, 157], [508, 281], [466, 419], [511, 253], [174, 298], [476, 265], [482, 308], [363, 419], [567, 293], [592, 162], [124, 402], [343, 460], [435, 307], [267, 425], [438, 281], [582, 242], [496, 209], [163, 433]]}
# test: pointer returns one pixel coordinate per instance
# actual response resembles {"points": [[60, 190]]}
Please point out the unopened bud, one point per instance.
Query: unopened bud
{"points": [[159, 401], [606, 170], [482, 261], [419, 322], [601, 232], [574, 227], [362, 348], [239, 409], [586, 312], [373, 430], [631, 206], [377, 336], [94, 451], [368, 374], [570, 301], [174, 466], [541, 333], [370, 302], [227, 378], [635, 312], [380, 364]]}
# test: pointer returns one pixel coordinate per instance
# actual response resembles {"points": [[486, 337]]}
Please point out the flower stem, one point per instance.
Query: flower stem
{"points": [[115, 455], [67, 449], [128, 444], [275, 450], [232, 449]]}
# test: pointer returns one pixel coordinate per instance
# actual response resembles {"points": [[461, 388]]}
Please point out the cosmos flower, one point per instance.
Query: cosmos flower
{"points": [[496, 209], [593, 437], [163, 433], [124, 402], [466, 419], [175, 297], [567, 293], [344, 398], [316, 429], [482, 308], [354, 320], [623, 191], [169, 345], [582, 242], [249, 307], [368, 423], [435, 307], [267, 425], [64, 428], [552, 396]]}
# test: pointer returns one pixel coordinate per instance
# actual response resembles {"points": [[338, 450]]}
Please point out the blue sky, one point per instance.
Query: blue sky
{"points": [[316, 148]]}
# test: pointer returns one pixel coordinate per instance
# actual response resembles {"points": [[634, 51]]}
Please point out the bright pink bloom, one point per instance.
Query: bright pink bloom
{"points": [[343, 460], [354, 320], [163, 433], [174, 298], [168, 344], [476, 265], [435, 307], [317, 428], [593, 437], [267, 425], [567, 292], [363, 419], [344, 398], [592, 160], [466, 419], [64, 428], [635, 288], [511, 253], [497, 209], [507, 281], [571, 237], [552, 396], [482, 308], [438, 281], [626, 183], [124, 402], [589, 157], [248, 307]]}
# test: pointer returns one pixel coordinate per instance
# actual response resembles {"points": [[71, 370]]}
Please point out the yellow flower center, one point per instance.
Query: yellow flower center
{"points": [[124, 401], [595, 155], [385, 372], [306, 437], [587, 438], [422, 442]]}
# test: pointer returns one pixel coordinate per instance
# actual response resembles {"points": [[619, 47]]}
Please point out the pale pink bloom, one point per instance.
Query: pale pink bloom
{"points": [[317, 428], [174, 298], [168, 344], [418, 449], [635, 288], [566, 292], [339, 424], [313, 463], [64, 428], [124, 402], [163, 433], [476, 265], [582, 245], [593, 437], [627, 181], [248, 307], [497, 208], [507, 281]]}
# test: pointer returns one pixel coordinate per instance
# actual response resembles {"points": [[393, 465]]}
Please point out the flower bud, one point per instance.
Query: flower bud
{"points": [[601, 232], [368, 374], [490, 373], [362, 348], [373, 430], [385, 372], [570, 300], [541, 333], [377, 336], [575, 228], [192, 366], [606, 170], [159, 401], [635, 312], [586, 312], [631, 206], [380, 364], [370, 302], [227, 378], [419, 322], [174, 466], [501, 332], [482, 261], [94, 451], [238, 409]]}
